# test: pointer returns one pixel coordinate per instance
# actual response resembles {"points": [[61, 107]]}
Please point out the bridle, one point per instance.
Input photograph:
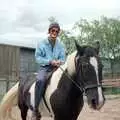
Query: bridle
{"points": [[81, 86], [81, 71]]}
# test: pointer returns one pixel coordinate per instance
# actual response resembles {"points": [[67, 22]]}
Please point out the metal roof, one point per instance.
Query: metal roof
{"points": [[28, 40], [26, 43]]}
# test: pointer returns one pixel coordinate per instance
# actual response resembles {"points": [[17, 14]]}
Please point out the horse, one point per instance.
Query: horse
{"points": [[64, 96]]}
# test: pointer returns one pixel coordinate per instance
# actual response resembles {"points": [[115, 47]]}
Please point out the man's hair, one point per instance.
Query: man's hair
{"points": [[52, 25]]}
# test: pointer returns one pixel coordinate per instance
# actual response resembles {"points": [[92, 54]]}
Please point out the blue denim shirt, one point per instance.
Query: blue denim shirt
{"points": [[45, 53]]}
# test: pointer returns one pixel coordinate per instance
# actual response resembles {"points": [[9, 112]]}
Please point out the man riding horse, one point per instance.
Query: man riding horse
{"points": [[63, 100], [50, 54]]}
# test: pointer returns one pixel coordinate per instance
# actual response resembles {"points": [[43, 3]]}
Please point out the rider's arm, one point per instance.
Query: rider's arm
{"points": [[40, 55]]}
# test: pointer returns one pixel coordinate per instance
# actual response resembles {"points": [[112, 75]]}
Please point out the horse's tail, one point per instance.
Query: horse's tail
{"points": [[8, 101]]}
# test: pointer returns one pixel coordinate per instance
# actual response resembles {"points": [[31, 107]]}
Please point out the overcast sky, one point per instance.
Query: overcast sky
{"points": [[27, 20]]}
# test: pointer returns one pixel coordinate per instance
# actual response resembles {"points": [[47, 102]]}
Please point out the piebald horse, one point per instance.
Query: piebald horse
{"points": [[63, 98]]}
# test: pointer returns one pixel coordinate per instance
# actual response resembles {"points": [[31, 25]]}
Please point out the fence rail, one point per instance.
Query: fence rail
{"points": [[111, 83], [6, 82]]}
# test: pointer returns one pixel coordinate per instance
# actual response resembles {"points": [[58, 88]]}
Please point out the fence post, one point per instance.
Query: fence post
{"points": [[7, 83]]}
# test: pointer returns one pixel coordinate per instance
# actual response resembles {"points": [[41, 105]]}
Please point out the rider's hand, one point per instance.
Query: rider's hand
{"points": [[58, 63], [55, 63]]}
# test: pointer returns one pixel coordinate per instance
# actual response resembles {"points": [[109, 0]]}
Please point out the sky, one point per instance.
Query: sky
{"points": [[25, 21]]}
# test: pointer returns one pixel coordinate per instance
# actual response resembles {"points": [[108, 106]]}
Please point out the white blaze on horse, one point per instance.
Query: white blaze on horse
{"points": [[63, 98]]}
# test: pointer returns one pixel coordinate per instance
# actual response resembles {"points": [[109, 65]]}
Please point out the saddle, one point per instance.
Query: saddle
{"points": [[49, 75], [26, 82]]}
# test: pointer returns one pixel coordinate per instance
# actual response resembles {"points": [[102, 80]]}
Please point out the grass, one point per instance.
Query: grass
{"points": [[111, 90]]}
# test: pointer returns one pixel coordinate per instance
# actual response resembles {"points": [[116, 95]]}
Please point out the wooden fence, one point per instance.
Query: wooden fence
{"points": [[111, 83], [6, 82]]}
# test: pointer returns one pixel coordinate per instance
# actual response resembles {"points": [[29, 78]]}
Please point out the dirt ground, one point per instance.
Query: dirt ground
{"points": [[110, 111]]}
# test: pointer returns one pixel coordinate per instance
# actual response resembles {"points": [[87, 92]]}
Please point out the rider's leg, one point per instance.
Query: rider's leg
{"points": [[39, 90], [40, 87]]}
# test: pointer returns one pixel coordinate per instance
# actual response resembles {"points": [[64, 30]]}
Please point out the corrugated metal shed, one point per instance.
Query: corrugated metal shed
{"points": [[16, 56]]}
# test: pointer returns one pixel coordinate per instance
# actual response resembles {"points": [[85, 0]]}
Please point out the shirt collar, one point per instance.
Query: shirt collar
{"points": [[48, 42]]}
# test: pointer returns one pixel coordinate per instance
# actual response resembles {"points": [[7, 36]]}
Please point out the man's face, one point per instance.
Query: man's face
{"points": [[54, 33]]}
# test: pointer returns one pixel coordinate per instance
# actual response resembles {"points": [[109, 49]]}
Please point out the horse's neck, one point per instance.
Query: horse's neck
{"points": [[67, 85], [65, 82], [68, 77]]}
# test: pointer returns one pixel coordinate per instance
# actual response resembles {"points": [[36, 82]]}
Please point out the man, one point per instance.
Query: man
{"points": [[50, 54]]}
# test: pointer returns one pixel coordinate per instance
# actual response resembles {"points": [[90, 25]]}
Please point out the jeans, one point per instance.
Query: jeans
{"points": [[40, 84]]}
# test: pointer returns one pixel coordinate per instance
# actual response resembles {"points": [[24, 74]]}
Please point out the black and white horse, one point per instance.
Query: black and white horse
{"points": [[63, 99]]}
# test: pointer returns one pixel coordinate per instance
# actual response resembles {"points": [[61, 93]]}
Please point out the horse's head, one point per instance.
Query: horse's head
{"points": [[89, 74]]}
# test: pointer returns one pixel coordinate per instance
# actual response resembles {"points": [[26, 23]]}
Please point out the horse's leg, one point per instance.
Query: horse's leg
{"points": [[24, 110], [65, 117], [59, 117], [21, 104], [77, 108], [73, 113]]}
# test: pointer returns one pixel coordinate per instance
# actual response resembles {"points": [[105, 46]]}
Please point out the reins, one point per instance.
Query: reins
{"points": [[69, 76]]}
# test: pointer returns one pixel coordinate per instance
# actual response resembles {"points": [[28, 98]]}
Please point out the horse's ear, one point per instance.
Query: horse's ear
{"points": [[77, 46], [97, 46]]}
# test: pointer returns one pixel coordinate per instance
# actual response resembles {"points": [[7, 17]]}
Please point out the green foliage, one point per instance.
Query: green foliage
{"points": [[68, 40], [106, 30], [111, 90]]}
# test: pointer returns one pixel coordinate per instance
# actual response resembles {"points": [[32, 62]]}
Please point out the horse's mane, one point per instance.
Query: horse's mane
{"points": [[71, 59], [71, 63]]}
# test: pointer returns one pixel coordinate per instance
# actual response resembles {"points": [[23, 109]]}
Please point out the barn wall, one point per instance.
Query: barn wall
{"points": [[9, 67], [9, 60], [14, 62], [27, 61]]}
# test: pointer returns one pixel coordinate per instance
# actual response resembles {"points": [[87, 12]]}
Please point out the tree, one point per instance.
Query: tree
{"points": [[68, 40], [106, 30]]}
